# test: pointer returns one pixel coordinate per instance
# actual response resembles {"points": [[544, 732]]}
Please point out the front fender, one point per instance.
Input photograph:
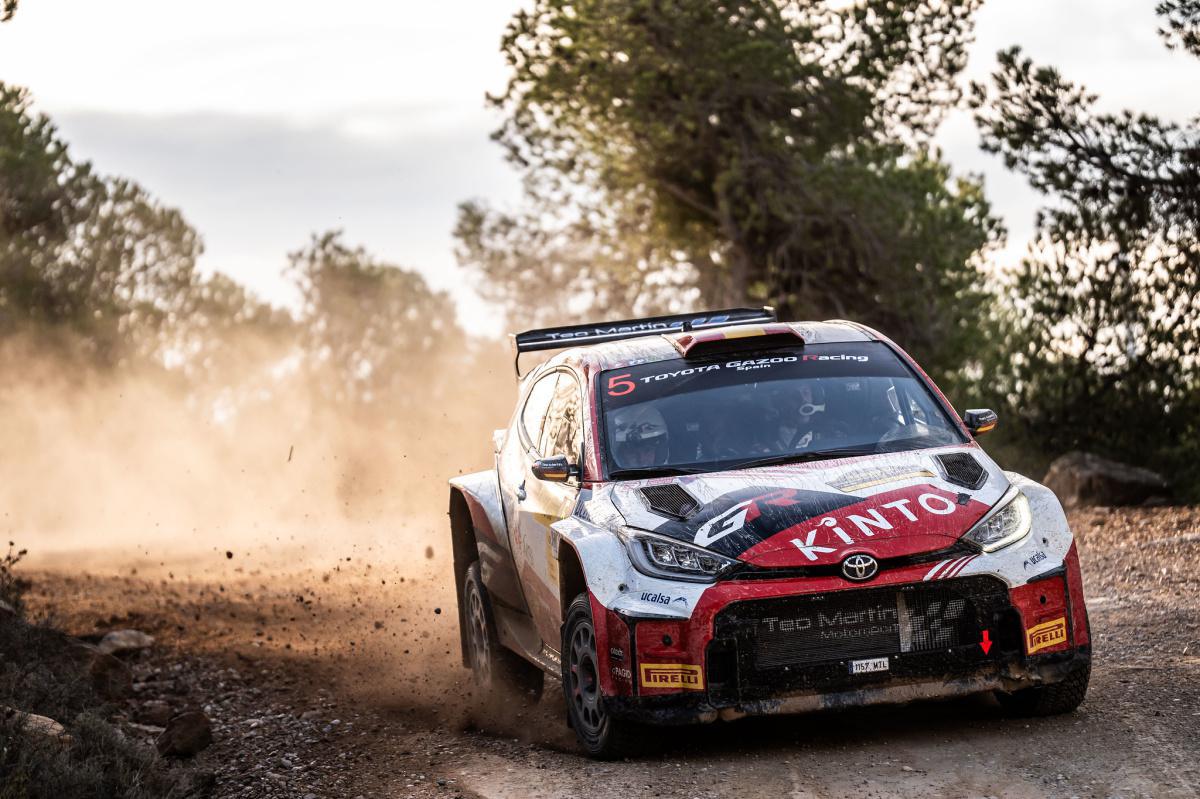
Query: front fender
{"points": [[620, 597], [481, 490], [480, 532], [614, 583], [1043, 551]]}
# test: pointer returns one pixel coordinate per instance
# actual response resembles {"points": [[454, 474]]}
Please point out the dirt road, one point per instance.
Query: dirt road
{"points": [[341, 678]]}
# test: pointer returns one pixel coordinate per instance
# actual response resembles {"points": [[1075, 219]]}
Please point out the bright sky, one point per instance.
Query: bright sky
{"points": [[266, 121]]}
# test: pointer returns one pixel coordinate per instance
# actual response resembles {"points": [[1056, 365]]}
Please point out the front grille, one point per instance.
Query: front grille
{"points": [[790, 643], [670, 500], [962, 469]]}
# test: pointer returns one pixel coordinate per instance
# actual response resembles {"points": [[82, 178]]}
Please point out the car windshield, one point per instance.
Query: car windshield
{"points": [[807, 403]]}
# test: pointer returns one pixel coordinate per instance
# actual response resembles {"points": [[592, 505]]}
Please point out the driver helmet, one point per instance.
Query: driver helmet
{"points": [[641, 437]]}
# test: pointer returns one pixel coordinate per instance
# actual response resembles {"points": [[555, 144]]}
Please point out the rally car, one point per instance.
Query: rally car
{"points": [[708, 516]]}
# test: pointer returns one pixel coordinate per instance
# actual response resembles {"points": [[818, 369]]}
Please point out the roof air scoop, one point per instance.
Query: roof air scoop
{"points": [[742, 337]]}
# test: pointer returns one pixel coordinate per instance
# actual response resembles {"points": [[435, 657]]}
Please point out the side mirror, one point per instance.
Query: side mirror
{"points": [[554, 470], [980, 420]]}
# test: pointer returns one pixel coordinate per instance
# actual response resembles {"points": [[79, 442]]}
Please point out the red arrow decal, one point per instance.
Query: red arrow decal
{"points": [[986, 643]]}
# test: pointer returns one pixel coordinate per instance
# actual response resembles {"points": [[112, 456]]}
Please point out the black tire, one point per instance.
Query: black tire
{"points": [[1048, 700], [499, 673], [601, 736]]}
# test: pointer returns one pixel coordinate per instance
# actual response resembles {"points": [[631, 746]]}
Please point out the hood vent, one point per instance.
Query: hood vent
{"points": [[670, 500], [962, 469]]}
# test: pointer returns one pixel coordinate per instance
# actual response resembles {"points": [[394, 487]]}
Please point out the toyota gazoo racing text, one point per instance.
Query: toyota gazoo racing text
{"points": [[708, 516]]}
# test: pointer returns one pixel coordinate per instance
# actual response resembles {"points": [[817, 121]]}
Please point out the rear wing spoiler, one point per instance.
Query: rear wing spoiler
{"points": [[555, 338]]}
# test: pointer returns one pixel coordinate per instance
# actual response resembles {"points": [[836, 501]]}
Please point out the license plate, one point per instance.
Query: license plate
{"points": [[869, 665]]}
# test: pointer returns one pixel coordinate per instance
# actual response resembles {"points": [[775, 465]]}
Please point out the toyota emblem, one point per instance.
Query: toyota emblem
{"points": [[860, 567]]}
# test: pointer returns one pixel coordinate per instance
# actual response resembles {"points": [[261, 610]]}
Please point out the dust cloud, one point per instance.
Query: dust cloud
{"points": [[257, 511], [132, 463]]}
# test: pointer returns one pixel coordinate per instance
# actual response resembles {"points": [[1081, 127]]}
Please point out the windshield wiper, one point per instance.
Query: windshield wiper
{"points": [[654, 471], [805, 457]]}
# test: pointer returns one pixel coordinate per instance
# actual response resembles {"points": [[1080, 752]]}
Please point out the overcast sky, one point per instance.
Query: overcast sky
{"points": [[268, 120]]}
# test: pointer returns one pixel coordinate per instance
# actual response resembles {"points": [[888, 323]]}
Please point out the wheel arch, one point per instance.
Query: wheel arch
{"points": [[571, 578], [465, 552]]}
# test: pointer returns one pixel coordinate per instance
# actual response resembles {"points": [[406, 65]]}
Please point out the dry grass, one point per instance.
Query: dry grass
{"points": [[40, 674]]}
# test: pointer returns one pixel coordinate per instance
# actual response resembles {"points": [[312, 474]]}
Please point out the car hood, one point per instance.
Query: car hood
{"points": [[812, 514]]}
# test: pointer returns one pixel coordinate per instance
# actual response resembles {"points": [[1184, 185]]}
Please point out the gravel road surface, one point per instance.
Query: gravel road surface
{"points": [[340, 677]]}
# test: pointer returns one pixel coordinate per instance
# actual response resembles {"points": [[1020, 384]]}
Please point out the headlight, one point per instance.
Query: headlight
{"points": [[1007, 524], [658, 556]]}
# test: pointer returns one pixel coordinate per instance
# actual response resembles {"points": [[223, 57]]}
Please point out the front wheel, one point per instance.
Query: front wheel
{"points": [[497, 671], [601, 735]]}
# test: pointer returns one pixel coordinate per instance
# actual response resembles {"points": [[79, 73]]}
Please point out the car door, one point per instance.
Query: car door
{"points": [[546, 502], [512, 463]]}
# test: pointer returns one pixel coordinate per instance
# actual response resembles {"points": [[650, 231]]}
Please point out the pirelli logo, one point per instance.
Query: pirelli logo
{"points": [[1046, 635], [680, 676]]}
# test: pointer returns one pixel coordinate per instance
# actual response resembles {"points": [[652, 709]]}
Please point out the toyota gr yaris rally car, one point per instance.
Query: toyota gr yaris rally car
{"points": [[702, 517]]}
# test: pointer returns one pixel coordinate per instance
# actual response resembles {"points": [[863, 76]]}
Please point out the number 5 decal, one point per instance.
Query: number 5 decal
{"points": [[626, 386]]}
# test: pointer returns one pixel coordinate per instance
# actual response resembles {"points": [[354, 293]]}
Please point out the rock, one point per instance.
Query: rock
{"points": [[110, 677], [7, 611], [154, 712], [121, 641], [1080, 478], [185, 735], [39, 726]]}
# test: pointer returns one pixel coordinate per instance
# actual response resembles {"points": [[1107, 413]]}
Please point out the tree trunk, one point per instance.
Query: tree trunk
{"points": [[735, 279]]}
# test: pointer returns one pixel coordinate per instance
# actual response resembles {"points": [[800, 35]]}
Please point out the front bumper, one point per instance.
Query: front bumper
{"points": [[697, 708], [788, 646]]}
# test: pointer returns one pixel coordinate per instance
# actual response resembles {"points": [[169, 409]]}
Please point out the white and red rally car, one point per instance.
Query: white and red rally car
{"points": [[706, 516]]}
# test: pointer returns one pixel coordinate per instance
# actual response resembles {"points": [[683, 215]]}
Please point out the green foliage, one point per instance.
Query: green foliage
{"points": [[542, 268], [1105, 346], [101, 305], [370, 327], [35, 171], [98, 258], [1182, 18], [98, 270], [704, 153]]}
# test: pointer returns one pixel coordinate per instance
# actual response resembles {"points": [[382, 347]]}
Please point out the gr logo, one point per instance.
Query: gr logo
{"points": [[728, 522]]}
